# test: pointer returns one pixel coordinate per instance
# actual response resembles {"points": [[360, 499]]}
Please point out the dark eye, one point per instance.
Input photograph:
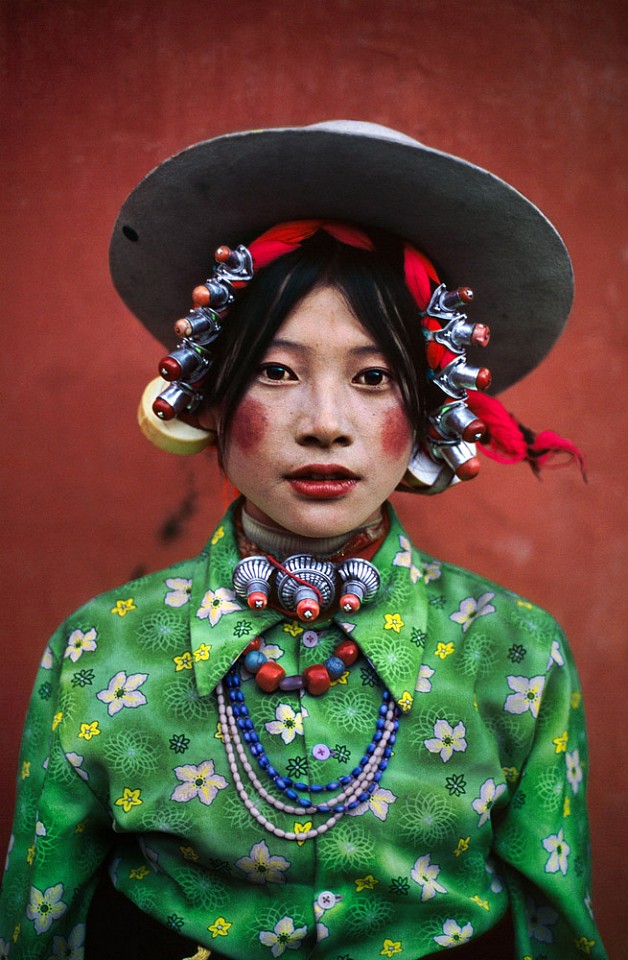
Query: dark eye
{"points": [[276, 372], [373, 377]]}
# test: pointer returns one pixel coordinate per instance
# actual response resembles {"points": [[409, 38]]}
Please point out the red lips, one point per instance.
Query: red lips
{"points": [[322, 481]]}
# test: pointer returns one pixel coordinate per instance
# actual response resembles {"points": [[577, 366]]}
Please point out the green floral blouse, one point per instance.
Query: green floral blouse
{"points": [[480, 810]]}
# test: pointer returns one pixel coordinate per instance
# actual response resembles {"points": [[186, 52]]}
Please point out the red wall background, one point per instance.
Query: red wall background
{"points": [[95, 94]]}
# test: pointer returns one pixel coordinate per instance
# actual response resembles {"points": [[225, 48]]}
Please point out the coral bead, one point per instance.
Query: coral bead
{"points": [[316, 679], [473, 431], [348, 652], [349, 603], [170, 369], [483, 379], [222, 254], [201, 296], [308, 609], [257, 600], [469, 469], [481, 335], [269, 676], [253, 645]]}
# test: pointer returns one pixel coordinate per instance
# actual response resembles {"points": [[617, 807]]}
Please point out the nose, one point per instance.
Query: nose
{"points": [[324, 421]]}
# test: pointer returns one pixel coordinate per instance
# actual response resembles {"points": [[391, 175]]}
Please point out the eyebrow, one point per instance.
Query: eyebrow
{"points": [[367, 349]]}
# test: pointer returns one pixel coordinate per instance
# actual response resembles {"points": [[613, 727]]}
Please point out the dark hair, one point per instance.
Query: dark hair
{"points": [[373, 285]]}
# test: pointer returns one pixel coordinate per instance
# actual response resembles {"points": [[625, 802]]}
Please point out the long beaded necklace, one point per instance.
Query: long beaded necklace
{"points": [[356, 788]]}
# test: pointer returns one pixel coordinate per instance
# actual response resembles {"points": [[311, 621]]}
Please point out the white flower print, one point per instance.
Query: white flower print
{"points": [[47, 659], [287, 723], [527, 695], [430, 571], [555, 656], [4, 949], [558, 850], [447, 739], [453, 934], [261, 867], [283, 937], [378, 803], [471, 609], [484, 804], [45, 907], [496, 882], [79, 643], [404, 559], [76, 761], [123, 692], [574, 770], [424, 873], [540, 919], [215, 605], [200, 781], [72, 948], [178, 591], [423, 683]]}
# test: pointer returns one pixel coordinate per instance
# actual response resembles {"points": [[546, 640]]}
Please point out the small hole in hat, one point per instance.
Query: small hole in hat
{"points": [[130, 233]]}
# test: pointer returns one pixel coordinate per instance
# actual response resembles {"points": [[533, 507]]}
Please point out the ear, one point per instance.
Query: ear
{"points": [[207, 418]]}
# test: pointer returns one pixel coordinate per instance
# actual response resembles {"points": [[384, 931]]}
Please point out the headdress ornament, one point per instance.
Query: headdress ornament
{"points": [[471, 224]]}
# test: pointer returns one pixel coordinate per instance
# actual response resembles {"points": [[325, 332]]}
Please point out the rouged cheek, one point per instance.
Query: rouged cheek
{"points": [[248, 427], [396, 432]]}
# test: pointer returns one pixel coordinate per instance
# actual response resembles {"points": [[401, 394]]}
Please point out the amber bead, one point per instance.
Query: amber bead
{"points": [[201, 296]]}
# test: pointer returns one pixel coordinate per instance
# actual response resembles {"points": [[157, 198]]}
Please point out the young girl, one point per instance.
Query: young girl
{"points": [[313, 739]]}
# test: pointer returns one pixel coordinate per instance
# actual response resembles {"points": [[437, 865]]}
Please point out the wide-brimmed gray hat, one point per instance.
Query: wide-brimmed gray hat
{"points": [[476, 229]]}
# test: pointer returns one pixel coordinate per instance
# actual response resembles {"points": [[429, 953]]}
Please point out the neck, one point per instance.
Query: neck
{"points": [[283, 543]]}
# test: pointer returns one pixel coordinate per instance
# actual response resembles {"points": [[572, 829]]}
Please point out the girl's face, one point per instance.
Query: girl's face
{"points": [[321, 436]]}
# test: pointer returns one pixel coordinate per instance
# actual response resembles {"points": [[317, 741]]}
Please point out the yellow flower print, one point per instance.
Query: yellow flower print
{"points": [[511, 774], [26, 769], [57, 719], [524, 603], [567, 807], [463, 846], [202, 652], [576, 699], [292, 628], [89, 730], [139, 872], [393, 621], [302, 828], [80, 827], [481, 903], [219, 928], [343, 679], [391, 947], [584, 945], [365, 883], [560, 743], [122, 607], [444, 650], [405, 701], [189, 853], [184, 662], [16, 933], [219, 735], [129, 799], [217, 535], [30, 855]]}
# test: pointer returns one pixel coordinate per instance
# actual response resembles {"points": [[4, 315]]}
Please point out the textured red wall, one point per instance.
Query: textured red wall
{"points": [[95, 94]]}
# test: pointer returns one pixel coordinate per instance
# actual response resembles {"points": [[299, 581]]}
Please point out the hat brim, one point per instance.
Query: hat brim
{"points": [[476, 229]]}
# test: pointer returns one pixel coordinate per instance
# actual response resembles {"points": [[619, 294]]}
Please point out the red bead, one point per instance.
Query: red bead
{"points": [[483, 379], [257, 600], [222, 254], [201, 296], [480, 335], [473, 431], [349, 603], [469, 469], [269, 675], [316, 679], [307, 609], [348, 652], [169, 368], [253, 645], [162, 409]]}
